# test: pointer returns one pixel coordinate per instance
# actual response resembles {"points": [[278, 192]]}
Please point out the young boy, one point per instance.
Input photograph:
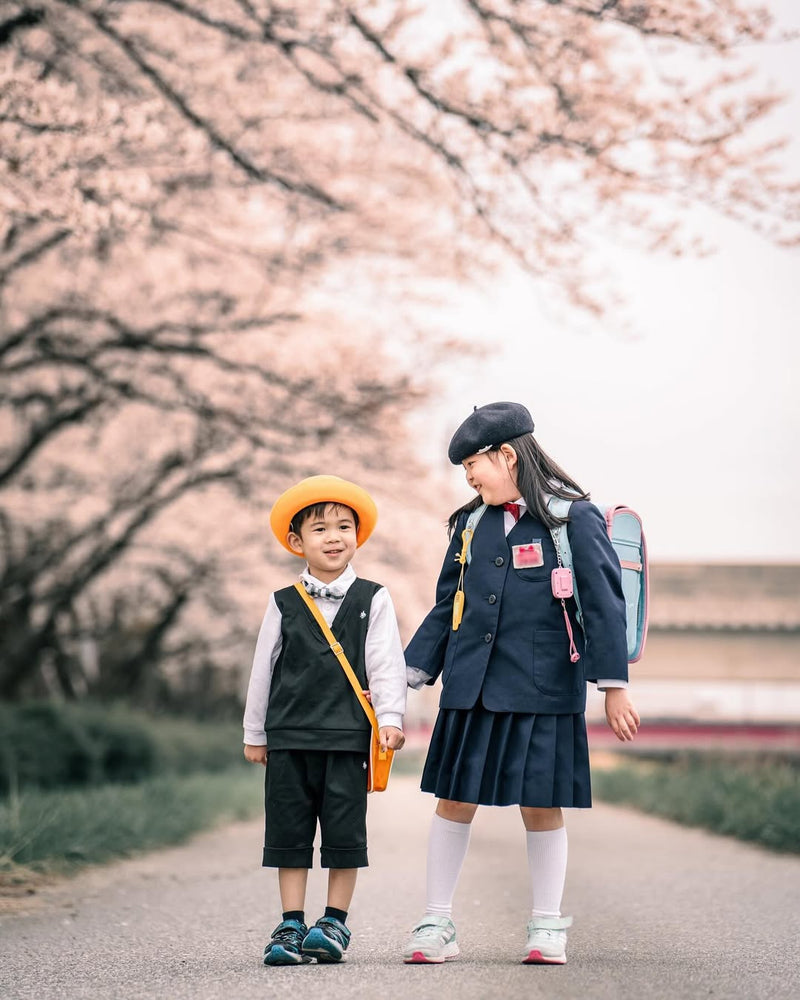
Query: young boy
{"points": [[303, 720]]}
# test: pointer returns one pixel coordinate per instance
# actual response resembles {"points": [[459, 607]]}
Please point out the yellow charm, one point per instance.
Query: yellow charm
{"points": [[458, 600], [458, 609]]}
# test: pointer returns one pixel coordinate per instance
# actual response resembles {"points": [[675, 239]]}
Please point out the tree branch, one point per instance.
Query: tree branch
{"points": [[27, 18], [215, 137]]}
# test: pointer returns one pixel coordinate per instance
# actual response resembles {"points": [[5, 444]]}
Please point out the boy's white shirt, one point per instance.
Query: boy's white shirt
{"points": [[416, 677], [383, 654]]}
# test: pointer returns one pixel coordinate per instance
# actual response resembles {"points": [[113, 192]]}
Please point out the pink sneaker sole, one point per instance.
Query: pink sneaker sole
{"points": [[537, 958], [418, 958]]}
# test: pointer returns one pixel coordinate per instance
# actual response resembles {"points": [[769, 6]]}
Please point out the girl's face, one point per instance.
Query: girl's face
{"points": [[328, 543], [493, 475]]}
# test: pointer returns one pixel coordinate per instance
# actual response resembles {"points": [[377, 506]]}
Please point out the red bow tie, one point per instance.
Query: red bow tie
{"points": [[513, 509]]}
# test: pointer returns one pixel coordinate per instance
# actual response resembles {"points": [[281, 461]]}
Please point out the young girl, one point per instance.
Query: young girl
{"points": [[511, 728]]}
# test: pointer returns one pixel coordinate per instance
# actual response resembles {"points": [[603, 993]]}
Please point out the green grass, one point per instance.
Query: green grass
{"points": [[754, 798], [54, 745], [64, 830]]}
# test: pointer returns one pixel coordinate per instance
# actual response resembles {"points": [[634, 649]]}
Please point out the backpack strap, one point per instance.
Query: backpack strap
{"points": [[560, 507], [469, 531]]}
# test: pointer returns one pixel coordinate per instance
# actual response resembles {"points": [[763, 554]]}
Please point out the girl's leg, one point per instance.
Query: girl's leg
{"points": [[447, 848], [434, 937], [547, 858], [457, 812]]}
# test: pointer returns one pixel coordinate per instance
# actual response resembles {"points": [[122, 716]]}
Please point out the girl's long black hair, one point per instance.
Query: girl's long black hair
{"points": [[538, 477]]}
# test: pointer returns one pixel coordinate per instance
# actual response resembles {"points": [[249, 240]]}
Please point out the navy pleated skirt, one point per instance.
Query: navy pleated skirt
{"points": [[509, 758]]}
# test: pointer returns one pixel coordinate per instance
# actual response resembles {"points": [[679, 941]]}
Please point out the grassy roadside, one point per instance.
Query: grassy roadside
{"points": [[755, 798], [57, 832], [47, 832], [50, 745]]}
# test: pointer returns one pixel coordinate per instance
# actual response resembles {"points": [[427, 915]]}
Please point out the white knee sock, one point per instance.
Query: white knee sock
{"points": [[547, 860], [447, 848]]}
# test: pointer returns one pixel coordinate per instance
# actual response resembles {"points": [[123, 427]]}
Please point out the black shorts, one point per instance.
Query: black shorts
{"points": [[303, 786]]}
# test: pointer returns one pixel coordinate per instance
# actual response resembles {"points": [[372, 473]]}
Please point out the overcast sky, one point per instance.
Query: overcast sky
{"points": [[695, 420]]}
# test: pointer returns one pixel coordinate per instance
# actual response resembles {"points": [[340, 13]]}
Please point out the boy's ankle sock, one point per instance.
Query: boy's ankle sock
{"points": [[295, 915], [331, 911]]}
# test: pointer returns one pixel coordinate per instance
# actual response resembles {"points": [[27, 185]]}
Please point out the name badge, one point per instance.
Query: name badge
{"points": [[527, 556]]}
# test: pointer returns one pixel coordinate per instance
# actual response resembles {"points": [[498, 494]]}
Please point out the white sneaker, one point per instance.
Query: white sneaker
{"points": [[432, 940], [547, 941]]}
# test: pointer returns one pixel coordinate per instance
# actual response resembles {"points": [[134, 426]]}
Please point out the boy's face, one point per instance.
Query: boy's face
{"points": [[328, 543]]}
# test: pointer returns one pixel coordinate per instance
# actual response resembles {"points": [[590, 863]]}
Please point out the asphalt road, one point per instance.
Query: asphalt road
{"points": [[660, 912]]}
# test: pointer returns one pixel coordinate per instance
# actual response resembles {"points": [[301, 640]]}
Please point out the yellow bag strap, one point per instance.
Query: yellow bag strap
{"points": [[340, 655]]}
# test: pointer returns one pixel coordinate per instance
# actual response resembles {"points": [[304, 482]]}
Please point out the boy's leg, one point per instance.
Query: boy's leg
{"points": [[285, 946], [341, 886], [433, 940], [288, 846], [343, 828], [290, 806], [292, 886]]}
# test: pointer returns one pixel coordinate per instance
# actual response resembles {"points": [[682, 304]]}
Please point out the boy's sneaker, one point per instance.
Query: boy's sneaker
{"points": [[433, 940], [547, 941], [327, 940], [285, 946]]}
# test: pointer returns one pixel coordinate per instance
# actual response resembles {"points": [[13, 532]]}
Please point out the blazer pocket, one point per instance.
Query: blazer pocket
{"points": [[537, 574], [553, 673]]}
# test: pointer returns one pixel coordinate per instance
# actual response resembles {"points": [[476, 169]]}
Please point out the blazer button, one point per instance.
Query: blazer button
{"points": [[492, 598], [499, 561], [488, 637]]}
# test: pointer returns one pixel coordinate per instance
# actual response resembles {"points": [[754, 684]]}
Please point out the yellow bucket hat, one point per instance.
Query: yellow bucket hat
{"points": [[322, 489]]}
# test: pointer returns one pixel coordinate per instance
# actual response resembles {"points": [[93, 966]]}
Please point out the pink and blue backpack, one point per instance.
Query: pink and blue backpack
{"points": [[627, 537]]}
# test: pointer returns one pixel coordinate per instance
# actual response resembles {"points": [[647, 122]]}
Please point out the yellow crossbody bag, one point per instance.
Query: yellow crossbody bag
{"points": [[380, 760]]}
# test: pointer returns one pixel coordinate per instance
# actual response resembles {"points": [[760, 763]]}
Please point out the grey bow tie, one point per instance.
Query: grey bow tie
{"points": [[332, 593]]}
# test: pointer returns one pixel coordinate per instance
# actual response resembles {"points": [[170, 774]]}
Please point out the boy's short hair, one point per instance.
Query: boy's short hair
{"points": [[317, 510]]}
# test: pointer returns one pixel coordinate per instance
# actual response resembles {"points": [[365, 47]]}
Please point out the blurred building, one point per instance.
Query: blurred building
{"points": [[723, 649], [723, 645]]}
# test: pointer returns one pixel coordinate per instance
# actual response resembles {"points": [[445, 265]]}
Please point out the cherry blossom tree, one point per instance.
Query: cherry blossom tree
{"points": [[211, 213]]}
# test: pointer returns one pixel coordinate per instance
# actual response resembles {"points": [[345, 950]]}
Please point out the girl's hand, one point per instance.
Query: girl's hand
{"points": [[391, 738], [255, 754], [621, 714]]}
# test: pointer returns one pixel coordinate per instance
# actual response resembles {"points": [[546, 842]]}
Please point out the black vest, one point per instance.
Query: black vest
{"points": [[311, 702]]}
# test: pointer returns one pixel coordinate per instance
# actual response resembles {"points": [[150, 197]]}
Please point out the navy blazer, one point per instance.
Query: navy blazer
{"points": [[512, 648]]}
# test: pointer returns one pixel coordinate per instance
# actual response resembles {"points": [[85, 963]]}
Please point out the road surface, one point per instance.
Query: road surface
{"points": [[661, 913]]}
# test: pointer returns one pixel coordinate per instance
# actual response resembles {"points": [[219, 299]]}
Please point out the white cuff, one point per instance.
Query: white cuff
{"points": [[604, 685], [390, 719], [416, 678]]}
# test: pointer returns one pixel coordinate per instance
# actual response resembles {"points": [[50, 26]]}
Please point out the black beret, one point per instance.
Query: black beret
{"points": [[487, 427]]}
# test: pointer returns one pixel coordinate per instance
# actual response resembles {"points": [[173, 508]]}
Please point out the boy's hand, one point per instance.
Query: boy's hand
{"points": [[255, 754], [621, 714], [392, 738]]}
